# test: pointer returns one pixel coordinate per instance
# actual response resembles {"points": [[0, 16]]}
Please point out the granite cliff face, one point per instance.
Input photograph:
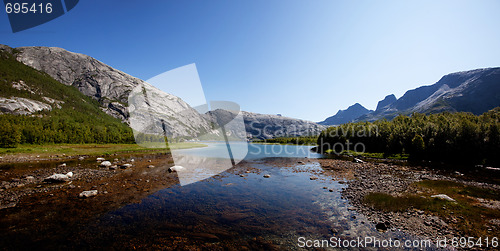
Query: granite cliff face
{"points": [[93, 78], [111, 88], [159, 111]]}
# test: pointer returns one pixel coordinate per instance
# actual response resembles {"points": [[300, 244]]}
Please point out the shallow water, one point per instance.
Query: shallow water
{"points": [[238, 209], [254, 151]]}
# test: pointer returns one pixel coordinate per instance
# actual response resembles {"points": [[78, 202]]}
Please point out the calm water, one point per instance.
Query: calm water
{"points": [[237, 209], [254, 151]]}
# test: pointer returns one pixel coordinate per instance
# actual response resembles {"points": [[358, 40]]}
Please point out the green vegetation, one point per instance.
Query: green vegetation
{"points": [[305, 140], [79, 120], [91, 149], [461, 138], [372, 155], [386, 202], [469, 215], [451, 187]]}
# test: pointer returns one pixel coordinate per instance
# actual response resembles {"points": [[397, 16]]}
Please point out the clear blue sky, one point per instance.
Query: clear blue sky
{"points": [[303, 59]]}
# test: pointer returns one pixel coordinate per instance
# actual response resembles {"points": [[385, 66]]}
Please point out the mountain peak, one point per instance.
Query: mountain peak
{"points": [[344, 116], [389, 99]]}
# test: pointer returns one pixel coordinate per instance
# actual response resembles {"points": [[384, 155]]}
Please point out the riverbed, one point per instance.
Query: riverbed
{"points": [[278, 197]]}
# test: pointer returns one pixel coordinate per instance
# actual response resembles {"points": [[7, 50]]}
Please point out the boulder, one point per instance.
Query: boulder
{"points": [[175, 169], [125, 166], [100, 159], [105, 164], [87, 194], [57, 177], [356, 160], [443, 197]]}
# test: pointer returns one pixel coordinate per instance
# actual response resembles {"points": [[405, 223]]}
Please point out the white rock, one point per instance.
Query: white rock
{"points": [[22, 106], [86, 194], [62, 165], [69, 174], [125, 166], [443, 197], [493, 168], [356, 160], [100, 159], [57, 177], [175, 169], [105, 163]]}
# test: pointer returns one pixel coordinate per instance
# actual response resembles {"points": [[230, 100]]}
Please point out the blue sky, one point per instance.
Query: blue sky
{"points": [[303, 59]]}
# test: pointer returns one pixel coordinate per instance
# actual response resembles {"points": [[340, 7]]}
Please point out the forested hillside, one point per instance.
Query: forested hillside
{"points": [[61, 114], [445, 137]]}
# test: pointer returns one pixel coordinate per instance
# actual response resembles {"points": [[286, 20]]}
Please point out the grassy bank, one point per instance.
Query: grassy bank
{"points": [[469, 214], [89, 149]]}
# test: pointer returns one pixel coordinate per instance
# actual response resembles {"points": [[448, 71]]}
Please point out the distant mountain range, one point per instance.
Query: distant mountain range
{"points": [[475, 91], [345, 116], [111, 89]]}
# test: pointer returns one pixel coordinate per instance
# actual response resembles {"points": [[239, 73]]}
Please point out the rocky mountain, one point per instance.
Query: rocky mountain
{"points": [[51, 112], [155, 110], [264, 126], [475, 91], [388, 100], [345, 116], [111, 88]]}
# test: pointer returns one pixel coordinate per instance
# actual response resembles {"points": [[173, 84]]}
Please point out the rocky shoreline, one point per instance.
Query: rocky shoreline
{"points": [[396, 180], [46, 206], [118, 180]]}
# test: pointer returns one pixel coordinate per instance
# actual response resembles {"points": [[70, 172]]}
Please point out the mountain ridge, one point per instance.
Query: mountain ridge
{"points": [[347, 115], [476, 91], [111, 88]]}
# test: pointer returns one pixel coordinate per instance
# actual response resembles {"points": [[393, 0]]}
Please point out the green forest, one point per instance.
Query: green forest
{"points": [[78, 120], [445, 137]]}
